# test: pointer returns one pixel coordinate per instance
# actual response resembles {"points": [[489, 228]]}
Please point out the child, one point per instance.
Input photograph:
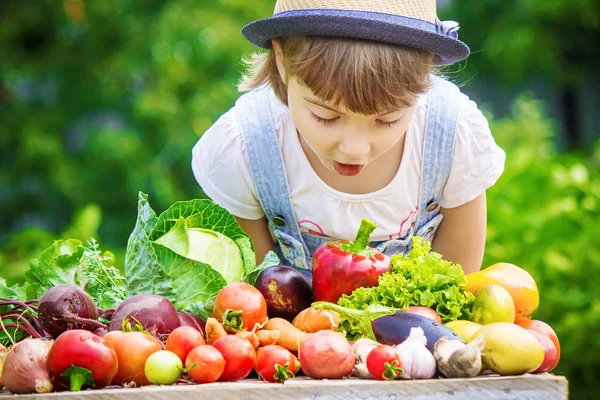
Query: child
{"points": [[344, 120]]}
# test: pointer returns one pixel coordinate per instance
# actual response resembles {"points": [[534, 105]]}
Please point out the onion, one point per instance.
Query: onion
{"points": [[25, 369]]}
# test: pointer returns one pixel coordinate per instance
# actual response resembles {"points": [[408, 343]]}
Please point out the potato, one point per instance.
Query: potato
{"points": [[327, 355]]}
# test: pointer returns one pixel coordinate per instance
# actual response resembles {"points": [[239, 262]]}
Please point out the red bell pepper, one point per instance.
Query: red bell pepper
{"points": [[340, 267]]}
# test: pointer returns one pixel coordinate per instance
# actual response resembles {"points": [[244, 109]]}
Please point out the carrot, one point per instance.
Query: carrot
{"points": [[214, 330], [267, 337], [249, 336], [296, 363], [312, 320], [291, 337]]}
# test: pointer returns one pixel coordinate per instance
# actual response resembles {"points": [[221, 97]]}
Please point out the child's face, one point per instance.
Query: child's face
{"points": [[343, 141]]}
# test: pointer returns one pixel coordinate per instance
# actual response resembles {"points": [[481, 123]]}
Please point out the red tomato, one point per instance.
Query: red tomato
{"points": [[182, 340], [239, 357], [133, 349], [275, 364], [426, 312], [545, 329], [241, 296], [205, 364], [384, 363], [83, 349]]}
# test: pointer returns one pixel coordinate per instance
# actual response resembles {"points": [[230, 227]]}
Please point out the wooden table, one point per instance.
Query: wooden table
{"points": [[531, 387]]}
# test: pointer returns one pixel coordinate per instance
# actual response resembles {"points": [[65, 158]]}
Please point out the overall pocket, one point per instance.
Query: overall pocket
{"points": [[429, 230], [292, 250]]}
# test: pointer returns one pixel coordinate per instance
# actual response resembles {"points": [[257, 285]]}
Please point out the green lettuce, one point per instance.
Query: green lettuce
{"points": [[419, 278]]}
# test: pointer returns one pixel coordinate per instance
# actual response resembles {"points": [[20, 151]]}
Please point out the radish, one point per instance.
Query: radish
{"points": [[25, 370], [155, 313], [65, 307]]}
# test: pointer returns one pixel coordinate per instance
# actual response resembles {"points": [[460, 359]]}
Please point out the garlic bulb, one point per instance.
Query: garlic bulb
{"points": [[458, 360], [362, 348], [417, 362]]}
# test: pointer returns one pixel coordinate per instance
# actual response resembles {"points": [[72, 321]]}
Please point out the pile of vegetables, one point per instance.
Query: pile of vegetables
{"points": [[192, 307], [419, 278]]}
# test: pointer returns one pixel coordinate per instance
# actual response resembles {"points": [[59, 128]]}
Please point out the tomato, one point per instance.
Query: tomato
{"points": [[240, 296], [239, 357], [133, 349], [384, 363], [545, 329], [275, 364], [426, 312], [183, 339], [163, 368], [78, 350], [205, 364]]}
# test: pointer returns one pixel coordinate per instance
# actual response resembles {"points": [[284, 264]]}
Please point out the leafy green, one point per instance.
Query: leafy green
{"points": [[420, 278], [165, 257], [106, 283], [205, 246], [205, 214], [194, 282], [57, 265], [143, 272]]}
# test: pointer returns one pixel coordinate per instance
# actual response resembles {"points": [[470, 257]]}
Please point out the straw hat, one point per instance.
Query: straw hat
{"points": [[412, 23]]}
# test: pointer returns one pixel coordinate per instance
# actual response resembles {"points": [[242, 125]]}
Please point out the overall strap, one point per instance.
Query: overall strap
{"points": [[438, 149], [267, 167]]}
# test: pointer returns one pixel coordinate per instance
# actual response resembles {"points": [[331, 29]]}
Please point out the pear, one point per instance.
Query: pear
{"points": [[510, 349], [465, 329], [492, 304]]}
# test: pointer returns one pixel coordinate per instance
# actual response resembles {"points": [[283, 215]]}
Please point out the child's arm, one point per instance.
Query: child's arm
{"points": [[461, 235], [259, 233]]}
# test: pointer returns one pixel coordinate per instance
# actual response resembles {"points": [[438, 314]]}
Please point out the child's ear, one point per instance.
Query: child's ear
{"points": [[279, 58]]}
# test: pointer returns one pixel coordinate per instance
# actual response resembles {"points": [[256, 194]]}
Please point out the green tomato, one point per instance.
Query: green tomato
{"points": [[163, 368]]}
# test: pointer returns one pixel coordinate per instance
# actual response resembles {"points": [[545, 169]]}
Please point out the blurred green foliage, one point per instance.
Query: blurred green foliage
{"points": [[102, 99], [543, 216]]}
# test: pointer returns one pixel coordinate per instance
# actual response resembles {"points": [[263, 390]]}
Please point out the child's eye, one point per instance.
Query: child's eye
{"points": [[391, 123], [323, 120]]}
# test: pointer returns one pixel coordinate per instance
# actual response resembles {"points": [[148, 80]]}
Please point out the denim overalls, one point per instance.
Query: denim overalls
{"points": [[295, 248]]}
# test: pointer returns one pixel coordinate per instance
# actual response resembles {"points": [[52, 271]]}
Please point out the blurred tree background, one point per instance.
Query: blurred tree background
{"points": [[100, 99]]}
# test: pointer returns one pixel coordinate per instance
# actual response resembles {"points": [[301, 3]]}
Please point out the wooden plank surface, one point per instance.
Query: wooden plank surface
{"points": [[531, 387]]}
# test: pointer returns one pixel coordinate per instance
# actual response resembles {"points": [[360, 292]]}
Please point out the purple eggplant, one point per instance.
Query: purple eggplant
{"points": [[394, 329], [286, 291], [388, 326]]}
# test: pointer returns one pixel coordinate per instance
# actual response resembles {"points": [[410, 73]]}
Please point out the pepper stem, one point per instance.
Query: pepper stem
{"points": [[362, 238], [363, 317], [78, 377]]}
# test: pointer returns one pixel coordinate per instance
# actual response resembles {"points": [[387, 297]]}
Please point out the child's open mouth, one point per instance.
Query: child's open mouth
{"points": [[347, 169]]}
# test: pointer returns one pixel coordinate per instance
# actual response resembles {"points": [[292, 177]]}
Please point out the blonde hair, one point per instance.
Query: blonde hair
{"points": [[366, 77]]}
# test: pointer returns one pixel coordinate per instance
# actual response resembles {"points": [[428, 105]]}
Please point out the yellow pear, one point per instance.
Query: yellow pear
{"points": [[465, 329], [510, 349], [493, 303]]}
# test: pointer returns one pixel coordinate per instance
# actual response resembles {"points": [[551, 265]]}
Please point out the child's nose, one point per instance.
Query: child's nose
{"points": [[355, 147]]}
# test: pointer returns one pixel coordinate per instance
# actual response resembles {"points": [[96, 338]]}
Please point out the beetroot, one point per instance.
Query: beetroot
{"points": [[192, 320], [155, 313], [65, 307]]}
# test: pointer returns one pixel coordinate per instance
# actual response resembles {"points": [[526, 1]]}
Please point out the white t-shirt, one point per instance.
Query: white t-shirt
{"points": [[221, 167]]}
